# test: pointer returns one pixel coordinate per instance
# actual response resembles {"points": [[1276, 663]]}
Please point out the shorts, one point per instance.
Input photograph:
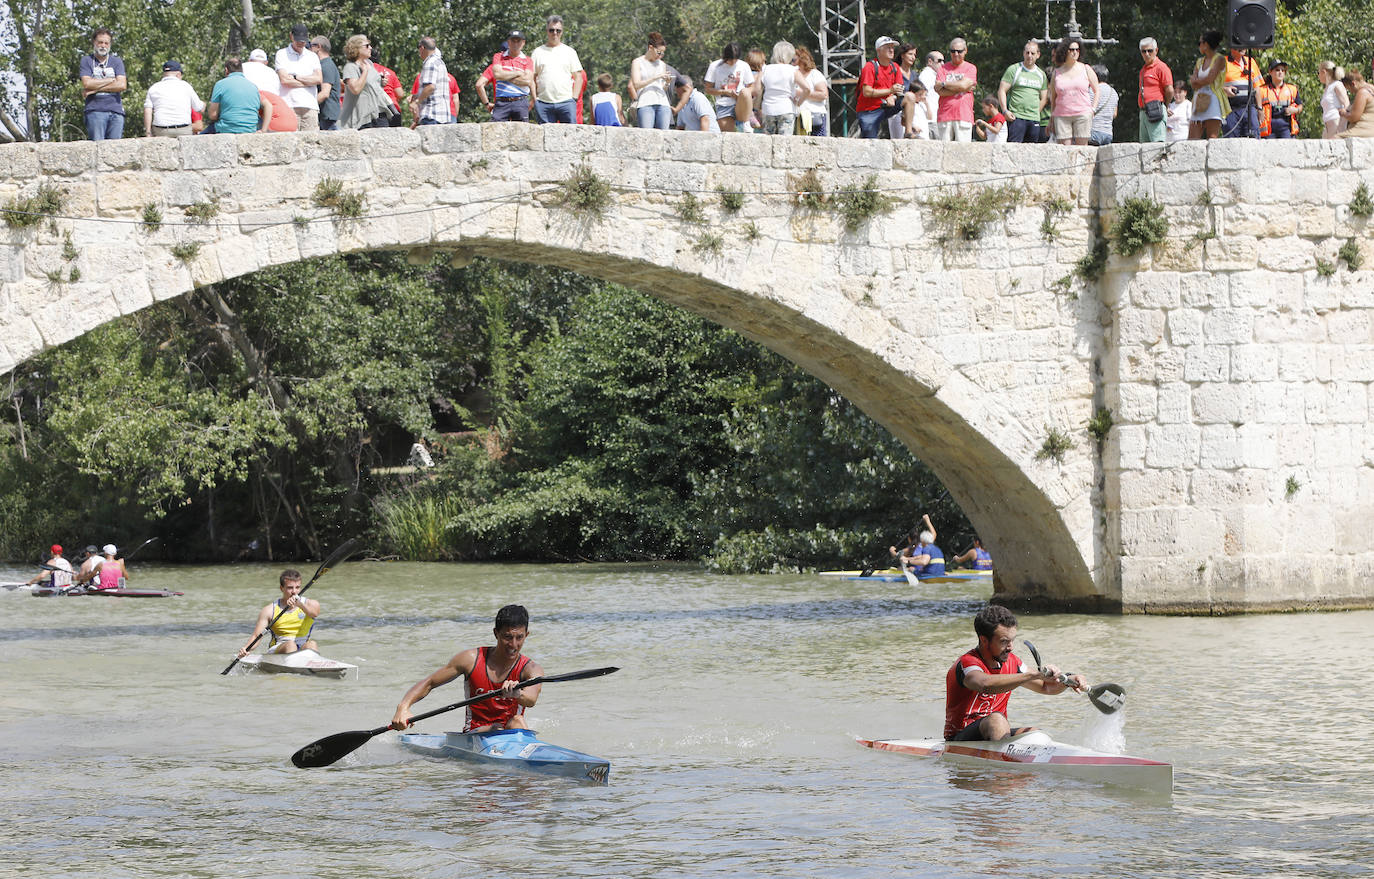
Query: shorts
{"points": [[1072, 127], [970, 733], [299, 642]]}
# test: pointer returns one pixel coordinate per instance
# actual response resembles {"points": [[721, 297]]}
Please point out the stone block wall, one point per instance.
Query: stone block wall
{"points": [[1240, 373]]}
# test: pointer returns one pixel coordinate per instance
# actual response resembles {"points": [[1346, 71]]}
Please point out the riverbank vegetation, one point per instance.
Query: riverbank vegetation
{"points": [[567, 419]]}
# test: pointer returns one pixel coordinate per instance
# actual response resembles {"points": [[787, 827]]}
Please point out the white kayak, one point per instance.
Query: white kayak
{"points": [[1036, 751], [302, 662]]}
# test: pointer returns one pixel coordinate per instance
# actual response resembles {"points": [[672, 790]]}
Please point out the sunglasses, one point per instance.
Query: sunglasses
{"points": [[555, 30]]}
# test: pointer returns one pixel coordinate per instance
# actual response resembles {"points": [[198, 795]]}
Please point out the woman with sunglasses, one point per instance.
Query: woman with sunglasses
{"points": [[1073, 94], [1210, 104]]}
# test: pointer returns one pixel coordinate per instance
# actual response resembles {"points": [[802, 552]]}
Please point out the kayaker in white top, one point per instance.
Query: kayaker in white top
{"points": [[292, 617], [62, 576]]}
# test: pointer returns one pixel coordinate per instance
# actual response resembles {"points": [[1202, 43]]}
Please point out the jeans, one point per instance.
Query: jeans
{"points": [[658, 116], [1100, 138], [432, 122], [779, 124], [871, 121], [563, 111], [511, 111], [1240, 123], [328, 124], [104, 125], [820, 125], [1023, 131]]}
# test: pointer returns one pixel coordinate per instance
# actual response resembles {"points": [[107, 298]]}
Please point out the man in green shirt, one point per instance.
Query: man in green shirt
{"points": [[234, 102], [1022, 95]]}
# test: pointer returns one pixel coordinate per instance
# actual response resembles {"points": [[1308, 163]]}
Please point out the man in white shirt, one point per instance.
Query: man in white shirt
{"points": [[298, 69], [257, 71], [167, 108], [927, 78], [558, 77]]}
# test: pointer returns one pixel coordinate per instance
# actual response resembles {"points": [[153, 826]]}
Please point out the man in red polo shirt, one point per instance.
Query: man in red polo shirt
{"points": [[1156, 93], [978, 686]]}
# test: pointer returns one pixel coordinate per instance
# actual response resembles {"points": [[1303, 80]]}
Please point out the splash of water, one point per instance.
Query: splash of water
{"points": [[1104, 732]]}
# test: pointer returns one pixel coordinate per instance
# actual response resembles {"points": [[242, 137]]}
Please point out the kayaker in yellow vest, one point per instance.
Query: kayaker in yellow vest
{"points": [[291, 632]]}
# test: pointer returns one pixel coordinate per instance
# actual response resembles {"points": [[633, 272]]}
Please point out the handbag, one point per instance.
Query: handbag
{"points": [[803, 121], [1154, 111], [1201, 101]]}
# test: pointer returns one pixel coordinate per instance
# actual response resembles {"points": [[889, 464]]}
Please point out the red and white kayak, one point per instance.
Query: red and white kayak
{"points": [[1036, 751]]}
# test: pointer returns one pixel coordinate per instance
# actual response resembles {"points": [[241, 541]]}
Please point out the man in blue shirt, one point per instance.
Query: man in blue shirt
{"points": [[234, 102], [102, 85]]}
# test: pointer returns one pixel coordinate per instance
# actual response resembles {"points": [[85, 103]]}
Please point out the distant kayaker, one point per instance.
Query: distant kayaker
{"points": [[981, 558], [923, 557], [90, 560], [108, 572], [486, 670], [978, 686], [291, 631], [59, 578]]}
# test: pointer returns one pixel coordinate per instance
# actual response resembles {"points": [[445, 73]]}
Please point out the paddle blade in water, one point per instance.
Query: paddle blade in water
{"points": [[1108, 698], [331, 749]]}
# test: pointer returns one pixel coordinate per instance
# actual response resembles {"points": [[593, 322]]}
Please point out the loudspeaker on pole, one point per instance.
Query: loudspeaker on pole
{"points": [[1250, 24]]}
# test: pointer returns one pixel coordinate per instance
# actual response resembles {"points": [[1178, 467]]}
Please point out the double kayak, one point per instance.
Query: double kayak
{"points": [[514, 750], [79, 592], [1035, 751], [301, 662], [895, 575]]}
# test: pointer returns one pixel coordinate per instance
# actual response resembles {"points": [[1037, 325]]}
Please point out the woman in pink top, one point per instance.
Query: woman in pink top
{"points": [[1073, 94]]}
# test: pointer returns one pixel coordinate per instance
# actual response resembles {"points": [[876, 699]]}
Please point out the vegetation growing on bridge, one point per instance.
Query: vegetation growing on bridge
{"points": [[1140, 222], [48, 201]]}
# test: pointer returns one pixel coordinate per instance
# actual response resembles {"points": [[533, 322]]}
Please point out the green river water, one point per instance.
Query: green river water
{"points": [[730, 729]]}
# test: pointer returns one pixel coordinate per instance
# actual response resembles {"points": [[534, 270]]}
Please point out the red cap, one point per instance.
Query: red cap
{"points": [[56, 549]]}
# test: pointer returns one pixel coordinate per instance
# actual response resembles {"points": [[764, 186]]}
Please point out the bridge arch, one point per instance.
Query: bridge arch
{"points": [[970, 351]]}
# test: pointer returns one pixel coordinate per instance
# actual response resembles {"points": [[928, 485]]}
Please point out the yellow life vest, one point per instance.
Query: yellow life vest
{"points": [[292, 624]]}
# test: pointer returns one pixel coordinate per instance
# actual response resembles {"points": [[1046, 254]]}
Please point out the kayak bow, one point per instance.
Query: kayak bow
{"points": [[301, 662]]}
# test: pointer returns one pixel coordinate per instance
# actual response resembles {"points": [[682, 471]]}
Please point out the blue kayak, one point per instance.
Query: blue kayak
{"points": [[517, 750]]}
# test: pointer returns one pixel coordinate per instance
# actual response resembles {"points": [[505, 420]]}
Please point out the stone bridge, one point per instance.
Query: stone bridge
{"points": [[1235, 357]]}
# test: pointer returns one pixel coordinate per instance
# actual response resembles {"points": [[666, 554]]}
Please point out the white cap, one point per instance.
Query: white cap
{"points": [[885, 41], [257, 55], [108, 549]]}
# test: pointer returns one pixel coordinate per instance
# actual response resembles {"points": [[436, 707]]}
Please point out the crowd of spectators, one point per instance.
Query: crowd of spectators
{"points": [[1069, 101]]}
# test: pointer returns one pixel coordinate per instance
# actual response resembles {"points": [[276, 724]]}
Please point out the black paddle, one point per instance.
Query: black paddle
{"points": [[332, 749], [1107, 698], [339, 555]]}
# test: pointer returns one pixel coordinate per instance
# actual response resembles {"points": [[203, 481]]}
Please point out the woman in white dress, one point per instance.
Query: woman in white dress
{"points": [[1210, 104], [1334, 98]]}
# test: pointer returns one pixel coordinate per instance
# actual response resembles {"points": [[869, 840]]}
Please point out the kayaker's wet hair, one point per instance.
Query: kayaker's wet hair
{"points": [[512, 616], [992, 616], [288, 575]]}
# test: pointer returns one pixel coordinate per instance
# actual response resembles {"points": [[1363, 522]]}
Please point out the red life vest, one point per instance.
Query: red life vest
{"points": [[489, 712]]}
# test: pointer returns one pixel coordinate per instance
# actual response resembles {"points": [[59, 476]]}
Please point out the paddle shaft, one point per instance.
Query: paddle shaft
{"points": [[332, 749], [339, 554]]}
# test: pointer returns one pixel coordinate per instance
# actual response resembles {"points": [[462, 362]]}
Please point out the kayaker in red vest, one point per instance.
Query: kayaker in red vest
{"points": [[978, 686], [290, 629], [486, 670]]}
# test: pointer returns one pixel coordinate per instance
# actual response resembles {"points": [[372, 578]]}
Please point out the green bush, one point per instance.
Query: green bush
{"points": [[780, 550], [1140, 222]]}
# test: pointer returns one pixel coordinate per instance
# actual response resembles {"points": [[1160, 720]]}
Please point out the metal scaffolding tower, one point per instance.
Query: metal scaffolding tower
{"points": [[842, 56]]}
